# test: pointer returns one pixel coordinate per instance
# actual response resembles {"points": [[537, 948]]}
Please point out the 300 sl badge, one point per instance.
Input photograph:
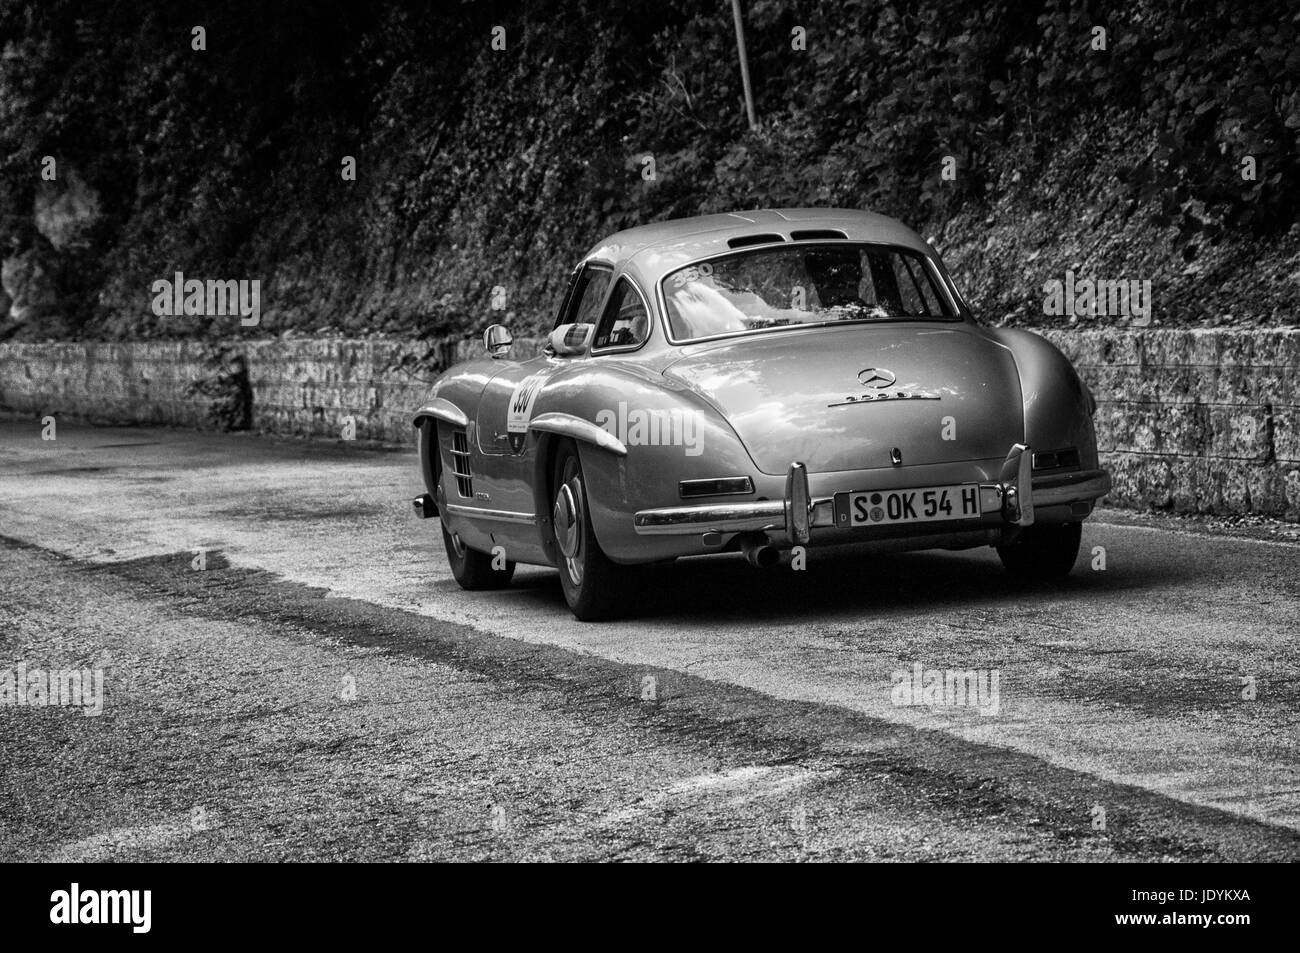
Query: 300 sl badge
{"points": [[885, 395]]}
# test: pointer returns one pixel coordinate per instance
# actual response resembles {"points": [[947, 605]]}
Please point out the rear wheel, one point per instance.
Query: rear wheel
{"points": [[1043, 553], [471, 569], [594, 586]]}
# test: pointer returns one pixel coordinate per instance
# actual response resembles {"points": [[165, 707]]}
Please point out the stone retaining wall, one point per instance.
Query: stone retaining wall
{"points": [[1193, 421], [1196, 421]]}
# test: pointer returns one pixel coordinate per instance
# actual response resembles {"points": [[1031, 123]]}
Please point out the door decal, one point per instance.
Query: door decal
{"points": [[519, 409]]}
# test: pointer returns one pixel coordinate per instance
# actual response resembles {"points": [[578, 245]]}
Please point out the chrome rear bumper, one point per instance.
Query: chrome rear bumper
{"points": [[1015, 496], [1064, 488]]}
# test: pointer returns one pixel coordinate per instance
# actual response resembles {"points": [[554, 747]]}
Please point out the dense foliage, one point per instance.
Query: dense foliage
{"points": [[480, 167]]}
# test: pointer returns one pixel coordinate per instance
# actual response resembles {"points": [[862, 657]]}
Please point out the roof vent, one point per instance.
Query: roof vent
{"points": [[744, 241], [817, 234]]}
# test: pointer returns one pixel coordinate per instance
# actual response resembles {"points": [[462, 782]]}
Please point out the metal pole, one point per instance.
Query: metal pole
{"points": [[744, 65]]}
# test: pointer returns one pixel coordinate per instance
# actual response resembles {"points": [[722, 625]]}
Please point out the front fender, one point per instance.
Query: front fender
{"points": [[455, 393], [439, 408]]}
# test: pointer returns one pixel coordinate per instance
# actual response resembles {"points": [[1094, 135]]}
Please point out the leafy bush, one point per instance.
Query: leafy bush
{"points": [[480, 168]]}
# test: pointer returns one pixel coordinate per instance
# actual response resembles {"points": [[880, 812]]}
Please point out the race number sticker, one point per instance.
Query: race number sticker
{"points": [[520, 409], [694, 273]]}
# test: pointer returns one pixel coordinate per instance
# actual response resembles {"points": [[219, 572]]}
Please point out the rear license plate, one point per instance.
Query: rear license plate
{"points": [[922, 505]]}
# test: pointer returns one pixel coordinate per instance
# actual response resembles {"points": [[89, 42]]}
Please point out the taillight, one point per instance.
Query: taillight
{"points": [[723, 486], [1056, 459]]}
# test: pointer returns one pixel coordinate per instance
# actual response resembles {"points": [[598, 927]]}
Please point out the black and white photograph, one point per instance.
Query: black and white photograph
{"points": [[651, 432]]}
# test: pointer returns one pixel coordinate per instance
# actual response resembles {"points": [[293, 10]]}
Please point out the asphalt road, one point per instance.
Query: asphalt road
{"points": [[322, 689]]}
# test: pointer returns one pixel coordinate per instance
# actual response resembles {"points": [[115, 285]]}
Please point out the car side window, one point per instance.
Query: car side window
{"points": [[902, 286], [916, 289], [587, 296], [625, 323]]}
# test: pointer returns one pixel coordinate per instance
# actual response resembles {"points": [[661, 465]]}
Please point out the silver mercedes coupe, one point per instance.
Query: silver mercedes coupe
{"points": [[756, 382]]}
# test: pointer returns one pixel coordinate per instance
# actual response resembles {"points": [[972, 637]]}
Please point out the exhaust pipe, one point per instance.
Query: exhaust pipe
{"points": [[760, 553]]}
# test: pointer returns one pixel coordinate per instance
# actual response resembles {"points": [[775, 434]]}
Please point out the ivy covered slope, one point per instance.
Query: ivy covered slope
{"points": [[479, 167]]}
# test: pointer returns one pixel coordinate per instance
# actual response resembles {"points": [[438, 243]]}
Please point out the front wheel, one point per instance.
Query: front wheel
{"points": [[471, 569], [595, 587], [474, 570], [1043, 553]]}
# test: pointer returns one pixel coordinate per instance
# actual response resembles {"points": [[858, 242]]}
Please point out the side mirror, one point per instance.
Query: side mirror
{"points": [[497, 341], [571, 338]]}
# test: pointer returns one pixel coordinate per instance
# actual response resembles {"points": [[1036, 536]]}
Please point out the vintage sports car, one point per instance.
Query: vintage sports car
{"points": [[755, 382]]}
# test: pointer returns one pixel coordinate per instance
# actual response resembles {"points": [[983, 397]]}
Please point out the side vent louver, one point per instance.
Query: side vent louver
{"points": [[460, 464]]}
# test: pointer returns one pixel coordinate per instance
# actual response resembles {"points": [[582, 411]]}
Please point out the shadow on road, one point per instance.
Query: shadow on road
{"points": [[855, 581]]}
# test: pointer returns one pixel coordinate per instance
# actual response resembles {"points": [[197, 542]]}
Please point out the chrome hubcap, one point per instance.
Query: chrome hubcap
{"points": [[567, 519]]}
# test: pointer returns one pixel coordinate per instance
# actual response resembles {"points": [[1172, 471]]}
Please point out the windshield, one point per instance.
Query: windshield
{"points": [[801, 285]]}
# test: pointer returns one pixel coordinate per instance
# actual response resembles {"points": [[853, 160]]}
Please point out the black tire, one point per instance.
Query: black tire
{"points": [[595, 587], [472, 569], [1043, 553]]}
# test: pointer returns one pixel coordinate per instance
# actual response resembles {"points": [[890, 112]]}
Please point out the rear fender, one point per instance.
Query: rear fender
{"points": [[1057, 404], [641, 437]]}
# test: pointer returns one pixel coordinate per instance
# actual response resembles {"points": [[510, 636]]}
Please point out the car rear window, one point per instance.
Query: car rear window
{"points": [[793, 286]]}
